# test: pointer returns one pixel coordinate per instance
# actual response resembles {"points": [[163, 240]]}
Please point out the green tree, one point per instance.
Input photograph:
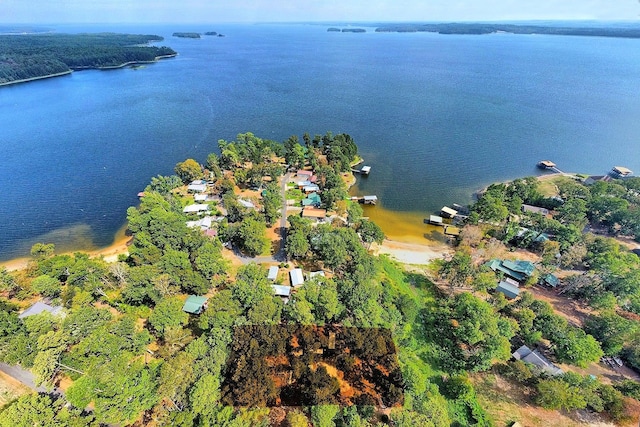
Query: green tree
{"points": [[46, 286], [188, 170], [324, 415], [41, 251], [271, 203], [557, 394], [168, 314], [297, 244], [251, 236]]}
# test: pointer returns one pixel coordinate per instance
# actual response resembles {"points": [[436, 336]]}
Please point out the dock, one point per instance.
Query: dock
{"points": [[620, 172], [367, 200], [365, 170], [549, 165]]}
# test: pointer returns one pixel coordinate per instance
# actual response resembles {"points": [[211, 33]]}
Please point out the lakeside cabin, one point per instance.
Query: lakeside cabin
{"points": [[197, 186]]}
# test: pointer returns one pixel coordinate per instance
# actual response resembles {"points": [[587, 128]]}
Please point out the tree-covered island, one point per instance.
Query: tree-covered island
{"points": [[249, 282], [186, 35], [25, 57]]}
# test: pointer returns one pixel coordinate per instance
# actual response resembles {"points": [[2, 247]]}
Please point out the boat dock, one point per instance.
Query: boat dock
{"points": [[365, 170], [549, 165], [367, 200]]}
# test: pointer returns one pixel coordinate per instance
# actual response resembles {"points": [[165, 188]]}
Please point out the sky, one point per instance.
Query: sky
{"points": [[217, 11]]}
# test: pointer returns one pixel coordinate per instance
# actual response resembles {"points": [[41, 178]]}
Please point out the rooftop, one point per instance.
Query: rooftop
{"points": [[38, 308], [510, 291], [296, 276], [309, 212], [282, 291], [273, 273], [194, 304], [197, 207]]}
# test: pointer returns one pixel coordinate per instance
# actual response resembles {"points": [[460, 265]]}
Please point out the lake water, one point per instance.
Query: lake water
{"points": [[436, 117]]}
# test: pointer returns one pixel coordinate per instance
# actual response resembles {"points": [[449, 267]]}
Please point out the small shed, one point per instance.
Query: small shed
{"points": [[510, 291], [195, 304], [40, 307], [447, 212], [549, 280], [273, 273], [282, 291], [297, 279]]}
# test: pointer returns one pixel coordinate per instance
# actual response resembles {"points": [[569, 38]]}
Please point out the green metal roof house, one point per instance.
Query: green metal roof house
{"points": [[312, 199], [519, 270], [510, 291], [195, 304]]}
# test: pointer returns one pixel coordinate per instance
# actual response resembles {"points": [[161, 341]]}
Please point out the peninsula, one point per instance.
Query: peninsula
{"points": [[29, 57], [489, 28]]}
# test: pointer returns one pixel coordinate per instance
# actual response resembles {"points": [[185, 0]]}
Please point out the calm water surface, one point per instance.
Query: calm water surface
{"points": [[437, 117]]}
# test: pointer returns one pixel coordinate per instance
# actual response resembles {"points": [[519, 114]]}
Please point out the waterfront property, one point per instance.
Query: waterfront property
{"points": [[546, 164], [447, 212], [527, 355], [370, 200], [197, 186], [518, 270], [195, 304], [620, 172]]}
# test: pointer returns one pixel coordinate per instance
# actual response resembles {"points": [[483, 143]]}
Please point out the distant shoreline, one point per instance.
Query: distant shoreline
{"points": [[31, 79], [106, 68]]}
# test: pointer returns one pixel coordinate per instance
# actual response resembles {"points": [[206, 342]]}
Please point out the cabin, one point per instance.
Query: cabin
{"points": [[273, 273], [620, 172], [370, 200], [304, 175], [518, 270], [297, 279], [281, 291], [203, 224], [314, 213], [435, 220], [549, 280], [508, 290], [41, 307], [196, 208], [197, 186], [312, 199], [546, 164], [527, 355], [447, 212], [535, 210], [195, 304]]}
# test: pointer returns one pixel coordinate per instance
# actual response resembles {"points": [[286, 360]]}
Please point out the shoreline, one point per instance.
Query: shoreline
{"points": [[33, 79], [105, 68]]}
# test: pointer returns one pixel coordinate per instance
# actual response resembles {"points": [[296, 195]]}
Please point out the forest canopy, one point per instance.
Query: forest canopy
{"points": [[38, 55]]}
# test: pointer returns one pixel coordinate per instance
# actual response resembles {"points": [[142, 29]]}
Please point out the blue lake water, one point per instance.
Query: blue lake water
{"points": [[436, 117]]}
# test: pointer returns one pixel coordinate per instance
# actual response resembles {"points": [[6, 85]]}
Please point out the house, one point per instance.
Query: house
{"points": [[447, 212], [519, 270], [203, 224], [510, 291], [197, 186], [200, 197], [195, 304], [535, 209], [297, 279], [281, 291], [595, 178], [273, 273], [41, 307], [527, 355], [302, 184], [313, 213], [549, 280], [247, 204], [304, 175], [316, 274], [196, 208], [312, 199], [311, 188]]}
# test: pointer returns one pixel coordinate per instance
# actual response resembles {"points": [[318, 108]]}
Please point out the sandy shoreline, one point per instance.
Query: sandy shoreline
{"points": [[412, 253], [109, 253]]}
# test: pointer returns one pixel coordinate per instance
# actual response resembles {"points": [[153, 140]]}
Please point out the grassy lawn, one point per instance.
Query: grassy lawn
{"points": [[549, 187]]}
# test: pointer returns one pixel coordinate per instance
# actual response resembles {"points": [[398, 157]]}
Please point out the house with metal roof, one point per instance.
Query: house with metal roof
{"points": [[527, 355], [312, 199], [303, 175], [535, 209], [41, 307], [313, 213], [519, 270], [311, 188], [281, 291], [296, 276], [273, 273], [196, 208], [197, 186], [509, 290], [195, 304]]}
